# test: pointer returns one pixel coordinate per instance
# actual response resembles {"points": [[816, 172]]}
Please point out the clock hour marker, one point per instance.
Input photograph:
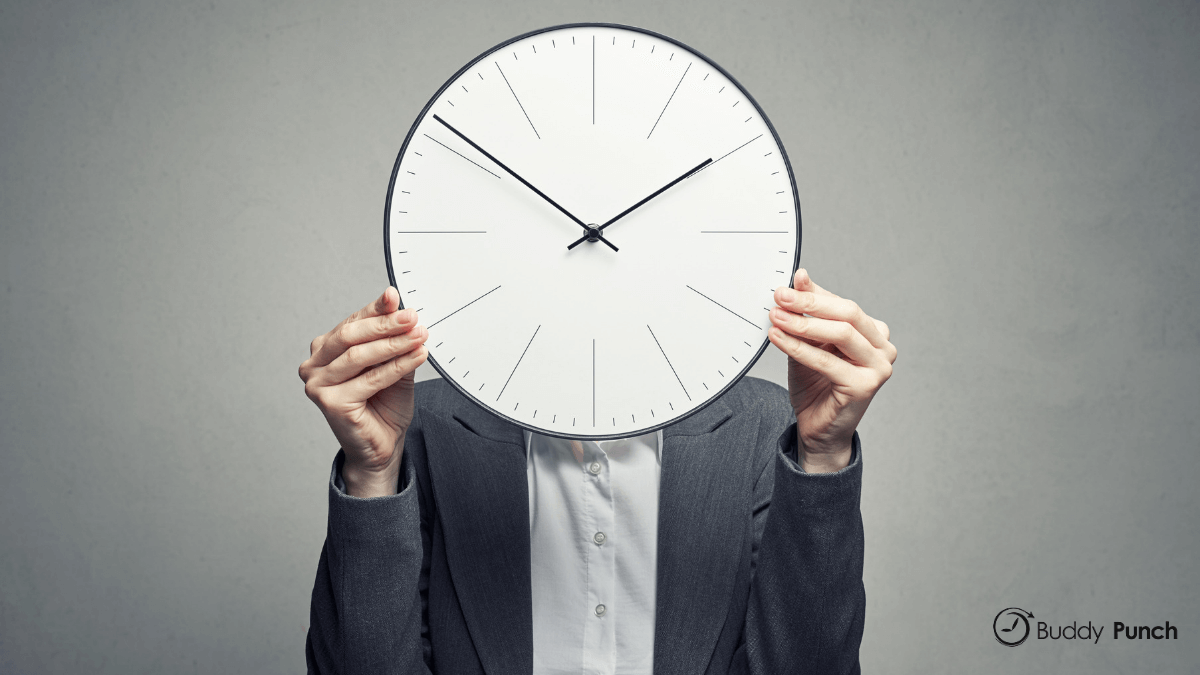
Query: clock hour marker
{"points": [[733, 151], [593, 77], [518, 100], [461, 309], [735, 359], [593, 382], [521, 358], [457, 153], [724, 307], [685, 72], [664, 353]]}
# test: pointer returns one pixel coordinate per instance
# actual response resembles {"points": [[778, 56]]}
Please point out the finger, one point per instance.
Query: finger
{"points": [[360, 357], [839, 333], [835, 369], [830, 307], [382, 376], [883, 328], [386, 303], [802, 282], [351, 333]]}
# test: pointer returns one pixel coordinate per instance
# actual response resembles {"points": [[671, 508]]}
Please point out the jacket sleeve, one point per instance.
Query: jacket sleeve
{"points": [[807, 601], [367, 613]]}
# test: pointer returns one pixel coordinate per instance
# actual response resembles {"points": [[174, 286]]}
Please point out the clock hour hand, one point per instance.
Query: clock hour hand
{"points": [[627, 211], [592, 231]]}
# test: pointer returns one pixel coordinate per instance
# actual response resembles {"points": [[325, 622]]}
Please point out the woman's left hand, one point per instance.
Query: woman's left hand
{"points": [[838, 358]]}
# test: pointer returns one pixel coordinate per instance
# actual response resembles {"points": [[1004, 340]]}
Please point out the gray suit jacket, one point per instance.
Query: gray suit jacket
{"points": [[759, 564]]}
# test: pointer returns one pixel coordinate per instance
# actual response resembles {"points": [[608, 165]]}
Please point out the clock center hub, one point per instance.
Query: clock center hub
{"points": [[593, 232]]}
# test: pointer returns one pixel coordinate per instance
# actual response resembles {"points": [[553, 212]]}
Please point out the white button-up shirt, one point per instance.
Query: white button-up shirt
{"points": [[593, 535]]}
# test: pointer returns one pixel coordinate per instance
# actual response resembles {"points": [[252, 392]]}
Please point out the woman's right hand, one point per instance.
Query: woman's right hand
{"points": [[360, 374]]}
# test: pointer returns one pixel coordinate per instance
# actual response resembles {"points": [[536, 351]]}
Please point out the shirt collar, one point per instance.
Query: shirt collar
{"points": [[656, 439]]}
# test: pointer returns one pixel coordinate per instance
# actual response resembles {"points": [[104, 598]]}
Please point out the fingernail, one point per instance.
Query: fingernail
{"points": [[788, 295]]}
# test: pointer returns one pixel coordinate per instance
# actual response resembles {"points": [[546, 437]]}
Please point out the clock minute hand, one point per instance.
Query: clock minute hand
{"points": [[656, 193], [526, 183]]}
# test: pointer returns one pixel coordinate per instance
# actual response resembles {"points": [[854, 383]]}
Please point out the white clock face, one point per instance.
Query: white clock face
{"points": [[592, 342]]}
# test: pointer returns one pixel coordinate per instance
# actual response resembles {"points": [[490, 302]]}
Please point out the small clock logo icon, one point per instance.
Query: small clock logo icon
{"points": [[1011, 626]]}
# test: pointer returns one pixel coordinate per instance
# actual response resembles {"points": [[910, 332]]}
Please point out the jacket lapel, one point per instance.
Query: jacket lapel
{"points": [[703, 509], [477, 469]]}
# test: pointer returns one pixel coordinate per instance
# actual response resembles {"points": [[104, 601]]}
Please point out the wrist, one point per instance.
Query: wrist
{"points": [[364, 483], [823, 457]]}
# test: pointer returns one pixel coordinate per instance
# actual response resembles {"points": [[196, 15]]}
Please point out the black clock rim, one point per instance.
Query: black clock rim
{"points": [[387, 209]]}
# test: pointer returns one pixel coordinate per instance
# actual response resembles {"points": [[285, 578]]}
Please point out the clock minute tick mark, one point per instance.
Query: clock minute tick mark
{"points": [[461, 308], [517, 99], [522, 357], [723, 307], [664, 353]]}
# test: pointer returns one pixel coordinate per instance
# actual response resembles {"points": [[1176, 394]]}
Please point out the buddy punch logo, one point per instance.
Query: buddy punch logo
{"points": [[1014, 633], [1013, 626]]}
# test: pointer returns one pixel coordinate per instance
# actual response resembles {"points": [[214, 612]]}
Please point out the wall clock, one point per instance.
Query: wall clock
{"points": [[591, 221]]}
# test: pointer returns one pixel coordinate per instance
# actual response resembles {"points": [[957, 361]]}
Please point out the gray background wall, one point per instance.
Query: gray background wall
{"points": [[189, 193]]}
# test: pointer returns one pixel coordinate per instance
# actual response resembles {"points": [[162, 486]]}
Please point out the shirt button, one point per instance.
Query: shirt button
{"points": [[594, 468], [600, 610], [599, 538]]}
